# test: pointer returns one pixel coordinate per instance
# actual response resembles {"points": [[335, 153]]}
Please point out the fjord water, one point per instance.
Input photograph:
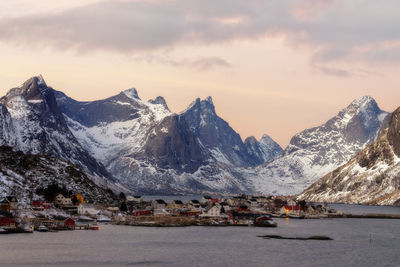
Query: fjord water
{"points": [[357, 242]]}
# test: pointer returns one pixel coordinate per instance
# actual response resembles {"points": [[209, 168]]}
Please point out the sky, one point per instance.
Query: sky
{"points": [[272, 67]]}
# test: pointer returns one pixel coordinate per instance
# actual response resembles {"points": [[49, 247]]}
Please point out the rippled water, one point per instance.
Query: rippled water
{"points": [[357, 242]]}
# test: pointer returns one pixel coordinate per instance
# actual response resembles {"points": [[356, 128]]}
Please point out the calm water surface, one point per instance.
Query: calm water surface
{"points": [[357, 242]]}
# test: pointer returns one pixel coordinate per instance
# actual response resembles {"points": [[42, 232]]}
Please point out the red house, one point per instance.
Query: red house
{"points": [[7, 222], [69, 222], [142, 213], [40, 205]]}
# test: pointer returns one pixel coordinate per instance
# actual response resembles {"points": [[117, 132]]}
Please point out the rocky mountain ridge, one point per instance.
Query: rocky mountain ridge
{"points": [[315, 152], [372, 177], [154, 151], [32, 122]]}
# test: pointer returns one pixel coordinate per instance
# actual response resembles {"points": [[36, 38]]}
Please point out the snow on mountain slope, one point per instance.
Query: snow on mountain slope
{"points": [[153, 150], [314, 152], [24, 175], [32, 122], [372, 177]]}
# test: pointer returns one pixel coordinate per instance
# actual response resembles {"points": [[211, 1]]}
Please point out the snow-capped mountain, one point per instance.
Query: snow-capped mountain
{"points": [[26, 176], [32, 122], [263, 150], [314, 152], [152, 150], [372, 177]]}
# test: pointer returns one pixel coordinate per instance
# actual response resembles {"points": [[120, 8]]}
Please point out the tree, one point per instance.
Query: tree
{"points": [[222, 209], [123, 207], [122, 196], [75, 200]]}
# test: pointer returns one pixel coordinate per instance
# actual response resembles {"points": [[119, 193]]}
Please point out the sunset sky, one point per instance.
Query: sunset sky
{"points": [[274, 67]]}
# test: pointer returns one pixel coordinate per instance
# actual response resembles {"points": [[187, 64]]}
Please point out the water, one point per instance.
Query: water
{"points": [[359, 209], [357, 242]]}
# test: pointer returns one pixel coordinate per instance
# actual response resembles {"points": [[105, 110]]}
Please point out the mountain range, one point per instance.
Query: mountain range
{"points": [[371, 177], [125, 141]]}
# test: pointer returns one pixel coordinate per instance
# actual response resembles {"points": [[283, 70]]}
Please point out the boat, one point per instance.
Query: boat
{"points": [[103, 219], [264, 221], [42, 228], [84, 218], [26, 228]]}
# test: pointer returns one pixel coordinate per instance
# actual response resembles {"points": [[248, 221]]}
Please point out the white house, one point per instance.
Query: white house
{"points": [[85, 209], [60, 200], [214, 211]]}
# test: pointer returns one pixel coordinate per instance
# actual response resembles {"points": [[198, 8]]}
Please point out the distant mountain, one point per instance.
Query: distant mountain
{"points": [[143, 145], [372, 177], [314, 152], [26, 176], [152, 150], [32, 122], [263, 150]]}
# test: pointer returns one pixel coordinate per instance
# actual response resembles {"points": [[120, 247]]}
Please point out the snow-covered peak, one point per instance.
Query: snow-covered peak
{"points": [[131, 93], [159, 100], [364, 100]]}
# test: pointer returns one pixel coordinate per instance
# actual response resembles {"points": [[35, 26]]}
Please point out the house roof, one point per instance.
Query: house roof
{"points": [[11, 199], [160, 201], [5, 214]]}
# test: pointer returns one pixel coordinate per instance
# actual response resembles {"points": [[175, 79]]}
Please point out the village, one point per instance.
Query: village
{"points": [[74, 213]]}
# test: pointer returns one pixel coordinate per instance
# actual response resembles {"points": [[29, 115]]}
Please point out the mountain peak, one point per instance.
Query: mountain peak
{"points": [[131, 93], [250, 140], [203, 106], [160, 101], [363, 100]]}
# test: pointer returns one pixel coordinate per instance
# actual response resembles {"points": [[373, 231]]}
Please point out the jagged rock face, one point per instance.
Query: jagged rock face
{"points": [[372, 177], [394, 132], [173, 146], [7, 131], [154, 151], [216, 135], [121, 107], [23, 175], [315, 152], [34, 124], [263, 150]]}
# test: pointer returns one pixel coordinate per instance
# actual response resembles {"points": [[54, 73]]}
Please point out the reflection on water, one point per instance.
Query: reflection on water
{"points": [[357, 242]]}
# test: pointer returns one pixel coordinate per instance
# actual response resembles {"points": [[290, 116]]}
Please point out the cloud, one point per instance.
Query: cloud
{"points": [[334, 30], [333, 71], [344, 73], [199, 64]]}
